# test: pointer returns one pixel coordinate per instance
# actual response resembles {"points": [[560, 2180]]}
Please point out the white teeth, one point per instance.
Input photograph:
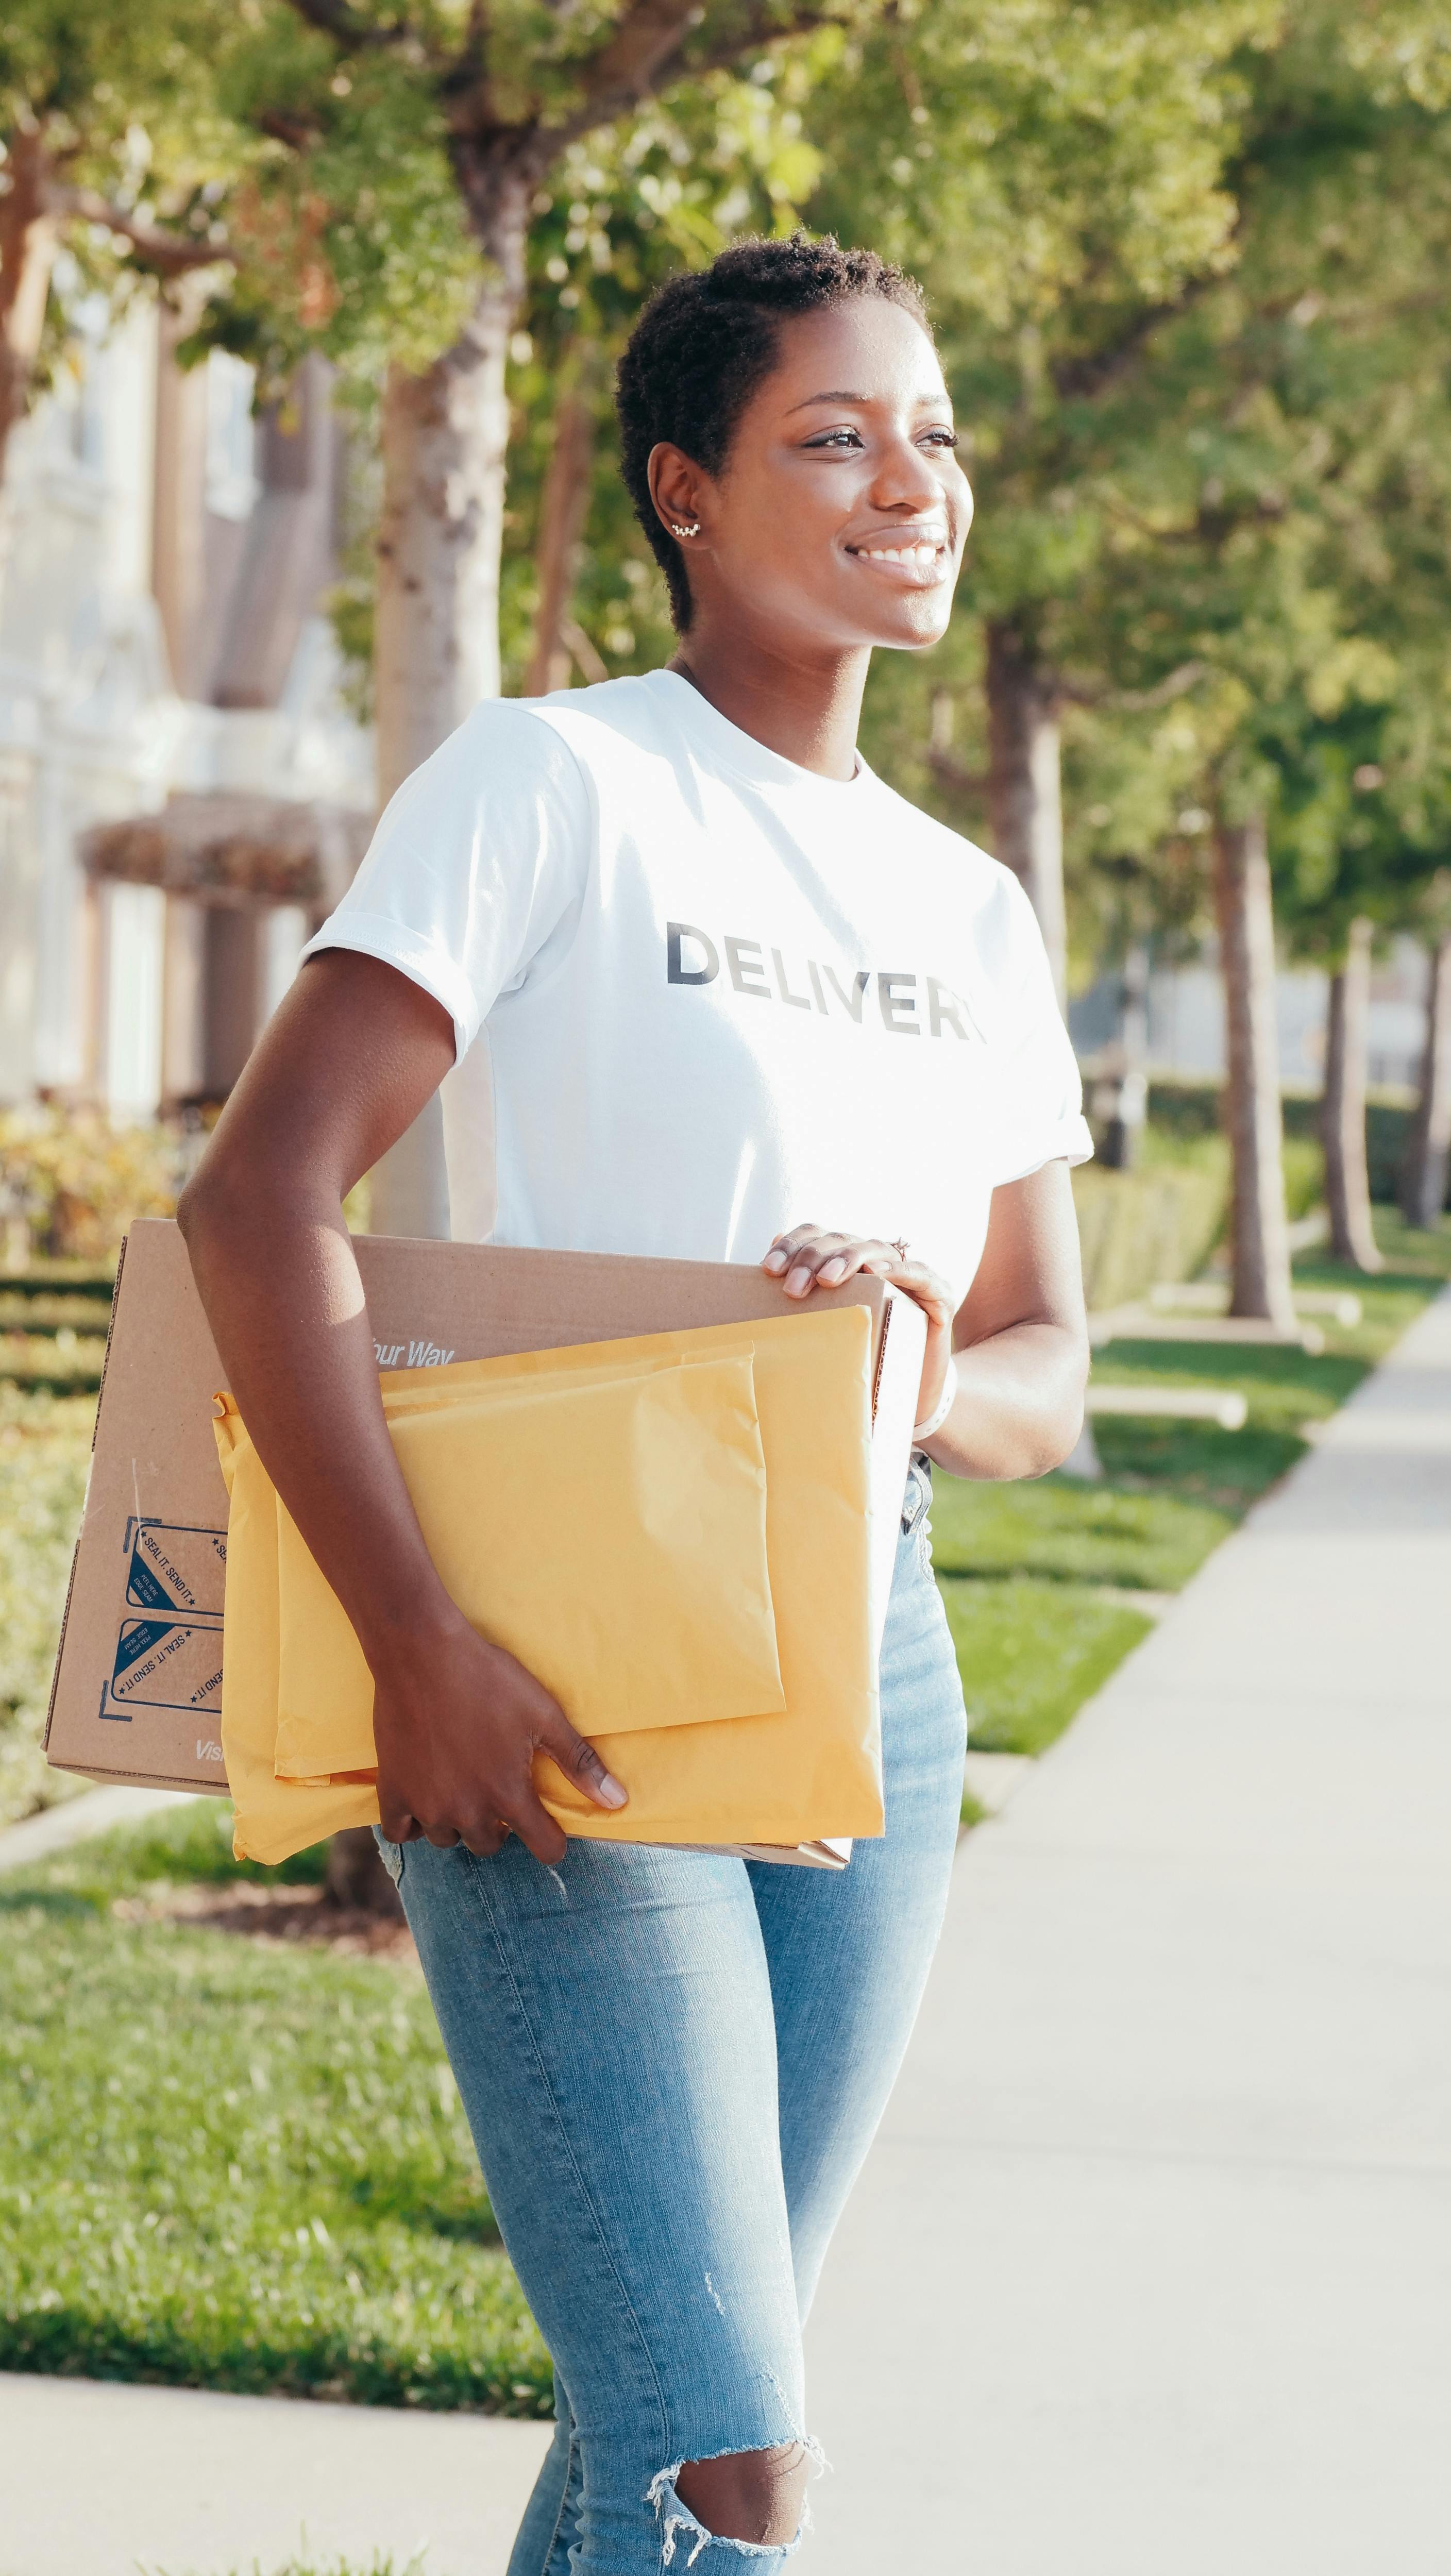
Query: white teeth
{"points": [[926, 553]]}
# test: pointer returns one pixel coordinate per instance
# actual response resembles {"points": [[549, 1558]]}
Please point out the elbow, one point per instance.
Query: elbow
{"points": [[190, 1212], [1061, 1424], [1058, 1437], [216, 1202]]}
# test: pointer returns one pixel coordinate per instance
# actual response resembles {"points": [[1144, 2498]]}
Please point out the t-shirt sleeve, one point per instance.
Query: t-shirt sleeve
{"points": [[1038, 1092], [476, 873]]}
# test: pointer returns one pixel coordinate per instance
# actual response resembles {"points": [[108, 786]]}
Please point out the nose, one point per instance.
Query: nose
{"points": [[908, 479]]}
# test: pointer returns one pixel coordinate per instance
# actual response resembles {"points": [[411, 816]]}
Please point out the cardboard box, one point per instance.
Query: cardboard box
{"points": [[138, 1683]]}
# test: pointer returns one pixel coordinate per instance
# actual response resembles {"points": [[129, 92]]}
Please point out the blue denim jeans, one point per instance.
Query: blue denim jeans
{"points": [[673, 2066]]}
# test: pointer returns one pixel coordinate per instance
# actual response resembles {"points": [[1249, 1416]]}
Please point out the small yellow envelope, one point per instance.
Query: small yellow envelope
{"points": [[634, 1585], [598, 1511]]}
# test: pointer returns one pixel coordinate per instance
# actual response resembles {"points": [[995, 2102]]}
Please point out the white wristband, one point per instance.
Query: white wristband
{"points": [[923, 1430]]}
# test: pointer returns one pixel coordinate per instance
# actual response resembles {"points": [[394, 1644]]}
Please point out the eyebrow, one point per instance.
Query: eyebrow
{"points": [[862, 400]]}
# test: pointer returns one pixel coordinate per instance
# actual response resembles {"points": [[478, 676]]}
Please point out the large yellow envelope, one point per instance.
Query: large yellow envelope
{"points": [[770, 1775]]}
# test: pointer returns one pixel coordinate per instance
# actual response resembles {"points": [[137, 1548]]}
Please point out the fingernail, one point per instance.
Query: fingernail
{"points": [[799, 1281], [612, 1791], [830, 1272], [774, 1261]]}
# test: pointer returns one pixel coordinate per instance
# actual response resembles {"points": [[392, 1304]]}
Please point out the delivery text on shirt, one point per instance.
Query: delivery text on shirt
{"points": [[910, 1006]]}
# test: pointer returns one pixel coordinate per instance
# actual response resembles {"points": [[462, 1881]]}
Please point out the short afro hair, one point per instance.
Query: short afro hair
{"points": [[707, 340]]}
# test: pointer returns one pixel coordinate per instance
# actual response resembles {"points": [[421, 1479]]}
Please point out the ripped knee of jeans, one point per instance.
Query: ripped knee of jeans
{"points": [[750, 2502]]}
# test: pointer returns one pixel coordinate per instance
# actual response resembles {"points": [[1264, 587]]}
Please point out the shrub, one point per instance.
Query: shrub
{"points": [[71, 1182], [1190, 1109], [1160, 1221]]}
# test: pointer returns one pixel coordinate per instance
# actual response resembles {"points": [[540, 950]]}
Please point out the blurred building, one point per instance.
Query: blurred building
{"points": [[163, 654], [1185, 1021]]}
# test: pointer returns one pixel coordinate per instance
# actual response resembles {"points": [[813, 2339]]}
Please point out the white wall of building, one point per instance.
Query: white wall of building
{"points": [[91, 727], [1186, 1021]]}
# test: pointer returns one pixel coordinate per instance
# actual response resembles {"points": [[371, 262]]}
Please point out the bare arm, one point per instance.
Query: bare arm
{"points": [[1020, 1335], [347, 1063]]}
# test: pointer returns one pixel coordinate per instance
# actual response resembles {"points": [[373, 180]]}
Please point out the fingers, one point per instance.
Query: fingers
{"points": [[472, 1785], [579, 1761], [809, 1256], [486, 1840], [537, 1830]]}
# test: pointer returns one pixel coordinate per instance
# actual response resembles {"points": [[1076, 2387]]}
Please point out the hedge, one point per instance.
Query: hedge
{"points": [[1158, 1222], [1190, 1109], [1163, 1219]]}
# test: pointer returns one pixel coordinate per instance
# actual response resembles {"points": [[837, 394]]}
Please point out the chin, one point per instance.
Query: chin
{"points": [[915, 634]]}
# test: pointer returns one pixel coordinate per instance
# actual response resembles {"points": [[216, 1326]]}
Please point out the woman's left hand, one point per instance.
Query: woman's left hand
{"points": [[810, 1256]]}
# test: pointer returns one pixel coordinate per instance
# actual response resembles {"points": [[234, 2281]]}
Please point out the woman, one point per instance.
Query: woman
{"points": [[701, 976]]}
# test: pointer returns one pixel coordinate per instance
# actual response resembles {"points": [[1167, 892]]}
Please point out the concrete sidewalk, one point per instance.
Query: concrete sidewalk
{"points": [[1150, 2271], [105, 2480]]}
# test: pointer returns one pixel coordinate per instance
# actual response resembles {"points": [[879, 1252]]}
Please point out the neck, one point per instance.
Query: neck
{"points": [[807, 711]]}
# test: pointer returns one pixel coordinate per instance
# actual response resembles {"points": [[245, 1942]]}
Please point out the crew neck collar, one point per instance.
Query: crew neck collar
{"points": [[740, 751]]}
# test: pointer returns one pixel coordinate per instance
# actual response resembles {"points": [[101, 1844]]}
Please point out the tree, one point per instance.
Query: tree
{"points": [[1284, 537], [1342, 1118], [405, 169], [1259, 1229], [1175, 506], [410, 154], [1063, 179], [112, 148], [1427, 1162]]}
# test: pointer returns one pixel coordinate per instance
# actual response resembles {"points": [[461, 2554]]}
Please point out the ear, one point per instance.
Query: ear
{"points": [[679, 491]]}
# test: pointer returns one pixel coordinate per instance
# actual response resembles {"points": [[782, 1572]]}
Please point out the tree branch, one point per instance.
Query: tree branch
{"points": [[647, 48], [170, 254], [630, 66], [1097, 369], [354, 34], [762, 26]]}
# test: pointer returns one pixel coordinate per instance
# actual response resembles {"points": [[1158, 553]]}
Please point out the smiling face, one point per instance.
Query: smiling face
{"points": [[838, 519]]}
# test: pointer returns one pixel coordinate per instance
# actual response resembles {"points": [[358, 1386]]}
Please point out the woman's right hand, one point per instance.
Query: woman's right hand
{"points": [[457, 1723]]}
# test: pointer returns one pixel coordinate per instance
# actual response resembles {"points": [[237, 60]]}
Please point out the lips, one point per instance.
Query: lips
{"points": [[924, 551]]}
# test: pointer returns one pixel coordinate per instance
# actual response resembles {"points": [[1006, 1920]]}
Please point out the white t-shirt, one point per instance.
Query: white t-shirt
{"points": [[701, 995]]}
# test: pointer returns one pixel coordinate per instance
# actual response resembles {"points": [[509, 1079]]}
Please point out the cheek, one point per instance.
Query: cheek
{"points": [[783, 537]]}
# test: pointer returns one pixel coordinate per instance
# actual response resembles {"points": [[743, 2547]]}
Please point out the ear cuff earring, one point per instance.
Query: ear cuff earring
{"points": [[690, 528]]}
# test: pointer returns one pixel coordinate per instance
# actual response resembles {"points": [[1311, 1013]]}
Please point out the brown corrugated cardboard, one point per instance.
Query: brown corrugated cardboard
{"points": [[137, 1691]]}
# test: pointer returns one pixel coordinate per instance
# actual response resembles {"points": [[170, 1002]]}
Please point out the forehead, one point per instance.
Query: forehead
{"points": [[863, 346]]}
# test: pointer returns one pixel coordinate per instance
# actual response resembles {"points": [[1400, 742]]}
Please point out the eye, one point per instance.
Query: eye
{"points": [[940, 437], [845, 438]]}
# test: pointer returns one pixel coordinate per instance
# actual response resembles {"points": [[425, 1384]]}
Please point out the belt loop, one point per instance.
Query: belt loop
{"points": [[918, 1493]]}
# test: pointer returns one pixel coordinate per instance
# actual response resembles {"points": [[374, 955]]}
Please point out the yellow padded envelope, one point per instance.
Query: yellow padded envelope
{"points": [[770, 1775], [608, 1528]]}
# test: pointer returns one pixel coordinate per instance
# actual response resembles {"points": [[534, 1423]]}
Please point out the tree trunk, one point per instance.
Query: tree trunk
{"points": [[356, 1879], [1342, 1111], [1024, 786], [563, 511], [1125, 1128], [1260, 1235], [27, 256], [1428, 1147], [445, 446]]}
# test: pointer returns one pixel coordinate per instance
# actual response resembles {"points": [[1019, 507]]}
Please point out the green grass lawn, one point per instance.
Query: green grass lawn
{"points": [[1021, 1566], [45, 1448], [233, 2164]]}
